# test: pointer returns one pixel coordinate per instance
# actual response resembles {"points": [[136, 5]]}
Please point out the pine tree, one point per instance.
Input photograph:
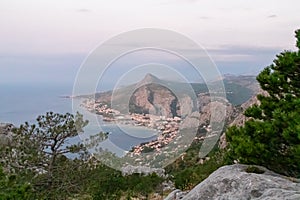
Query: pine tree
{"points": [[271, 137], [40, 150]]}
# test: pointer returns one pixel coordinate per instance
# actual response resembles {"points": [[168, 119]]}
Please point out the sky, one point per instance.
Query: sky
{"points": [[42, 39]]}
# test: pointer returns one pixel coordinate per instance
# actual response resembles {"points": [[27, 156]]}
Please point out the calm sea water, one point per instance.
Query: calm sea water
{"points": [[24, 102]]}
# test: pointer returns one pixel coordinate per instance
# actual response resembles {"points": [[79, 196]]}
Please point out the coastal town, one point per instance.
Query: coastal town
{"points": [[167, 128]]}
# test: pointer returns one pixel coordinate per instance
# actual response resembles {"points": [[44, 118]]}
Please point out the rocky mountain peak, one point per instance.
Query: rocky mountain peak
{"points": [[149, 78]]}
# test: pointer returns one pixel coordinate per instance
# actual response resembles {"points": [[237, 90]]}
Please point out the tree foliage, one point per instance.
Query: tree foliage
{"points": [[11, 187], [107, 183], [40, 165], [39, 153], [271, 137]]}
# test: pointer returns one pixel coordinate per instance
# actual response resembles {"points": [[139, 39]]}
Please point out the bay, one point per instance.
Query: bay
{"points": [[24, 102]]}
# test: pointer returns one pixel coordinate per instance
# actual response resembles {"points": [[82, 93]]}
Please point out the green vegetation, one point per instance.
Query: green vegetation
{"points": [[271, 137], [107, 183], [37, 163], [11, 187], [187, 171], [237, 93], [38, 155]]}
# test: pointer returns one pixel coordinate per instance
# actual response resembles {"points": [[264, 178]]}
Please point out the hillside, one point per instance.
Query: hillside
{"points": [[157, 96]]}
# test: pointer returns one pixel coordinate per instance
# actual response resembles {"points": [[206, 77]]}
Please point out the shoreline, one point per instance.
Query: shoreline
{"points": [[166, 128]]}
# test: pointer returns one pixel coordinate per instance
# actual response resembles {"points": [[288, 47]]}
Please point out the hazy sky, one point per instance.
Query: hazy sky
{"points": [[238, 34]]}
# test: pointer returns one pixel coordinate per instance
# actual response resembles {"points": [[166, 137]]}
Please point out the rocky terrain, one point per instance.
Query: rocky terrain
{"points": [[151, 96], [150, 100], [152, 103], [242, 182], [240, 119], [154, 96], [237, 117], [154, 99]]}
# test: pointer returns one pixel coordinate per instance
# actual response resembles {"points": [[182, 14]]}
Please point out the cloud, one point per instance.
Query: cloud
{"points": [[84, 10], [272, 16]]}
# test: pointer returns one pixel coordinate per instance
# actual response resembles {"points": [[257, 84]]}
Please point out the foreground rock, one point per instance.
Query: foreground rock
{"points": [[129, 170], [234, 182], [6, 134], [176, 194]]}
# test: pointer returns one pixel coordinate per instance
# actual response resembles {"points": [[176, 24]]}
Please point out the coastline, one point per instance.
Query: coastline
{"points": [[166, 128]]}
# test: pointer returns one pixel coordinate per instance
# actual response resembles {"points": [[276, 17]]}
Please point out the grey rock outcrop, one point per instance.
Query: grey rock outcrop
{"points": [[241, 118], [238, 118], [175, 195], [6, 134], [217, 109], [154, 99], [129, 170], [235, 183], [155, 96]]}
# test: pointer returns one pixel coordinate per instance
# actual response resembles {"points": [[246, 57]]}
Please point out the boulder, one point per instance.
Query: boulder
{"points": [[244, 182], [6, 134], [175, 195]]}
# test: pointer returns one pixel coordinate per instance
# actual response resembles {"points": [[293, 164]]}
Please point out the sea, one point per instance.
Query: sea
{"points": [[21, 102]]}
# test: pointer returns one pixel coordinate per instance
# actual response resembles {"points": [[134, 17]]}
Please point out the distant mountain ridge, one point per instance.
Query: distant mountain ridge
{"points": [[152, 90]]}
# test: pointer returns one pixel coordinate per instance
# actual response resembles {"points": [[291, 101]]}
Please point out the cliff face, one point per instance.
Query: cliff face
{"points": [[154, 96], [154, 99], [237, 118], [241, 118], [206, 107]]}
